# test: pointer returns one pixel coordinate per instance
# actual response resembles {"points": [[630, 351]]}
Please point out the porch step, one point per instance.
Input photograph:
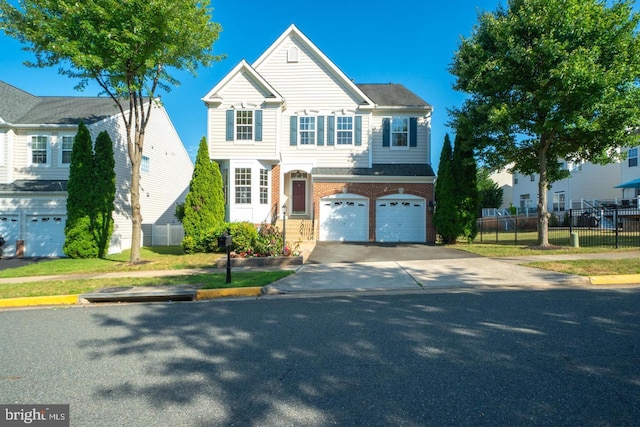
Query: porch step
{"points": [[298, 229]]}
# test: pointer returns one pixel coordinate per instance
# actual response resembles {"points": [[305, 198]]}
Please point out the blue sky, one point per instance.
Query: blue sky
{"points": [[410, 42]]}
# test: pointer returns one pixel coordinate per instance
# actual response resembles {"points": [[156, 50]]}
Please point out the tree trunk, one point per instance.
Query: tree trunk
{"points": [[136, 216], [543, 215]]}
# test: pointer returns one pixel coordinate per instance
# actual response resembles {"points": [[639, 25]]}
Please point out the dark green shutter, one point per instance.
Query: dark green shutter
{"points": [[330, 130], [358, 130], [258, 125], [320, 134], [413, 132], [230, 118], [386, 132], [293, 129]]}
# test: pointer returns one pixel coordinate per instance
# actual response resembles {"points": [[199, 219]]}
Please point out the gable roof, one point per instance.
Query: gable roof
{"points": [[393, 95], [342, 77], [20, 107], [243, 65]]}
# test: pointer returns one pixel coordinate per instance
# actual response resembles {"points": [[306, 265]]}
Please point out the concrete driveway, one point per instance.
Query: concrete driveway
{"points": [[338, 267]]}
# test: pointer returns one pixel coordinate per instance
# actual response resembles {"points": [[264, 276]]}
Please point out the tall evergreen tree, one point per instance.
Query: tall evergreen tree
{"points": [[104, 188], [466, 193], [204, 204], [445, 214], [80, 201]]}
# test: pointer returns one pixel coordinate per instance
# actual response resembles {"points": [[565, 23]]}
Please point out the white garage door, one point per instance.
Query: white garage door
{"points": [[9, 230], [401, 218], [344, 218], [44, 235]]}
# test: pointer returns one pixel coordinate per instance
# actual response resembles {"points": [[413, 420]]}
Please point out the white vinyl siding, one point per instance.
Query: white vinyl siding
{"points": [[412, 155], [306, 82]]}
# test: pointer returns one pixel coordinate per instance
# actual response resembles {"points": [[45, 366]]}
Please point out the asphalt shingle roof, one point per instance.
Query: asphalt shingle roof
{"points": [[379, 170], [20, 107], [23, 185], [392, 95]]}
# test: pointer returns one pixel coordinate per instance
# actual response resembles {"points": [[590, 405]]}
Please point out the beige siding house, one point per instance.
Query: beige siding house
{"points": [[344, 161], [36, 138]]}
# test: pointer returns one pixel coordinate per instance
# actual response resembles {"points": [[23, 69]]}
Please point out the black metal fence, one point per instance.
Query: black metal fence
{"points": [[616, 226]]}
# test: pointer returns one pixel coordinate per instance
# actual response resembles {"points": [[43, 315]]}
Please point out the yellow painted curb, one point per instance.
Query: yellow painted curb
{"points": [[618, 279], [228, 292], [28, 301]]}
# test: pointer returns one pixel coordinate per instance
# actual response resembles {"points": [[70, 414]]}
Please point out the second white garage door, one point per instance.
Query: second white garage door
{"points": [[44, 235], [401, 218], [345, 218]]}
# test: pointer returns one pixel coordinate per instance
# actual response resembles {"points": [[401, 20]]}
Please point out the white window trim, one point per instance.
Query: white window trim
{"points": [[250, 186], [146, 169], [253, 125], [3, 145], [629, 156], [315, 131], [30, 151], [396, 147], [353, 133], [61, 151]]}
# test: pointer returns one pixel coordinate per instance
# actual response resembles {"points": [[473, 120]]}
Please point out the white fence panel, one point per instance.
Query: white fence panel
{"points": [[167, 235]]}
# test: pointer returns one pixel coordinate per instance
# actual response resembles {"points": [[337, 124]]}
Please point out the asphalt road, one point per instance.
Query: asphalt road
{"points": [[556, 357]]}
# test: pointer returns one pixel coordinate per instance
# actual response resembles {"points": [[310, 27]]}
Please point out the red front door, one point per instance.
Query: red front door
{"points": [[299, 197]]}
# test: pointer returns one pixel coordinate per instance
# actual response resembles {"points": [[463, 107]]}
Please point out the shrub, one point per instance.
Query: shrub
{"points": [[269, 241], [244, 235]]}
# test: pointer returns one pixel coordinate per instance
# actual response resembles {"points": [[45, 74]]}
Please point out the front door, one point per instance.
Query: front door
{"points": [[299, 197]]}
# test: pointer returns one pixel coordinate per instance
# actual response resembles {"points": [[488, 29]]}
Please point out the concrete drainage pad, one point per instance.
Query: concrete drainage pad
{"points": [[140, 294]]}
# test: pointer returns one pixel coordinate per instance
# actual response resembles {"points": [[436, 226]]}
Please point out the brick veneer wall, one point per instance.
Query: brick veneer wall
{"points": [[372, 191], [275, 192]]}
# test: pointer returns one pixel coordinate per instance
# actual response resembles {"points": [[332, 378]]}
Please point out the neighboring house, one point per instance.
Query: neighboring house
{"points": [[588, 186], [629, 185], [504, 180], [36, 139], [345, 161]]}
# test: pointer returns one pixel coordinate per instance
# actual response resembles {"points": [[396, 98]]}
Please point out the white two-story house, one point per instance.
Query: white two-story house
{"points": [[36, 139], [345, 162]]}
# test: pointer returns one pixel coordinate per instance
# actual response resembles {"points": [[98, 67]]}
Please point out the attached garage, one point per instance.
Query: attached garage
{"points": [[10, 231], [344, 218], [401, 218], [44, 235]]}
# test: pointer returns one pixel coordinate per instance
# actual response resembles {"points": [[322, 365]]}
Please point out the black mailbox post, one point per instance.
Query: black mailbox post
{"points": [[225, 241]]}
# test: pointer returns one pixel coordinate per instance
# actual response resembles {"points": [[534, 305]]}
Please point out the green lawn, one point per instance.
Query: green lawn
{"points": [[157, 258], [79, 286]]}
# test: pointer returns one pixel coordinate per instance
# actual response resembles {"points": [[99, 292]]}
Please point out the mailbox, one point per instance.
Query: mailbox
{"points": [[224, 241]]}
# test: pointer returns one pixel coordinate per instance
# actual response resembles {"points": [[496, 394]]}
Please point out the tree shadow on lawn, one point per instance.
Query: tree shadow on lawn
{"points": [[459, 358]]}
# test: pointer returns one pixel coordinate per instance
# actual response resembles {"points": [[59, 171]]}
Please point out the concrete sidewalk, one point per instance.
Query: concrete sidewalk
{"points": [[406, 275]]}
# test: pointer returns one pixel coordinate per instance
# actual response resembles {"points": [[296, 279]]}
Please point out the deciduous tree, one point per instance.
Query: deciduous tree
{"points": [[550, 80], [127, 47]]}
